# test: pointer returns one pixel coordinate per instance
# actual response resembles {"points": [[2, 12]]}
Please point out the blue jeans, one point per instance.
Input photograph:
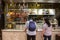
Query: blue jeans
{"points": [[47, 37]]}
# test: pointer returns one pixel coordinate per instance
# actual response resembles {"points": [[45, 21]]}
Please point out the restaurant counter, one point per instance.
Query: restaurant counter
{"points": [[13, 34]]}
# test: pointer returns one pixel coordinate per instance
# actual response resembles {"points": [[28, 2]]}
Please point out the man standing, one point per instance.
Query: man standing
{"points": [[31, 29]]}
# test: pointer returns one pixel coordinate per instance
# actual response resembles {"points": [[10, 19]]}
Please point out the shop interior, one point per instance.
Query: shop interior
{"points": [[17, 14]]}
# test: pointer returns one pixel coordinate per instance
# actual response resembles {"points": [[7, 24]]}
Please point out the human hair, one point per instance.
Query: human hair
{"points": [[47, 22]]}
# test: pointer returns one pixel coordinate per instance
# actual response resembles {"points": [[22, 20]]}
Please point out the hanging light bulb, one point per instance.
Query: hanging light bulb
{"points": [[11, 4], [19, 4], [38, 5]]}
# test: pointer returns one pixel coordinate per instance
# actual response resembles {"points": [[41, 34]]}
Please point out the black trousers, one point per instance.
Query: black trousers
{"points": [[31, 37], [47, 37]]}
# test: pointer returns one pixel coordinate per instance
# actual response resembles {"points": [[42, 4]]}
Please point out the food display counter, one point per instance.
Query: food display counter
{"points": [[16, 15], [13, 34], [17, 19]]}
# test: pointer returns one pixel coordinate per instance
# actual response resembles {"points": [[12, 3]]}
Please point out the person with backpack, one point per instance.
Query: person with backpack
{"points": [[47, 29], [31, 29]]}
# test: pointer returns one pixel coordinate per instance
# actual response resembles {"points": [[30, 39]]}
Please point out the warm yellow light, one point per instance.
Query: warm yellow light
{"points": [[38, 5], [10, 13]]}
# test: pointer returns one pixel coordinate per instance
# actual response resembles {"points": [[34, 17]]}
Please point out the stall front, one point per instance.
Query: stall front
{"points": [[16, 15]]}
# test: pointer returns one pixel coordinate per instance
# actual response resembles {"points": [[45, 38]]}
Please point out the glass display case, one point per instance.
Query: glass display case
{"points": [[19, 13], [16, 17]]}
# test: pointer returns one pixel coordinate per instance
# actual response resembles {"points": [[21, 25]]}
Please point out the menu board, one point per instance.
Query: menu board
{"points": [[41, 11], [46, 11]]}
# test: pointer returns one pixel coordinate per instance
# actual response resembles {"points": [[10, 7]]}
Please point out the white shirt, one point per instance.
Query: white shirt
{"points": [[48, 30], [30, 32]]}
